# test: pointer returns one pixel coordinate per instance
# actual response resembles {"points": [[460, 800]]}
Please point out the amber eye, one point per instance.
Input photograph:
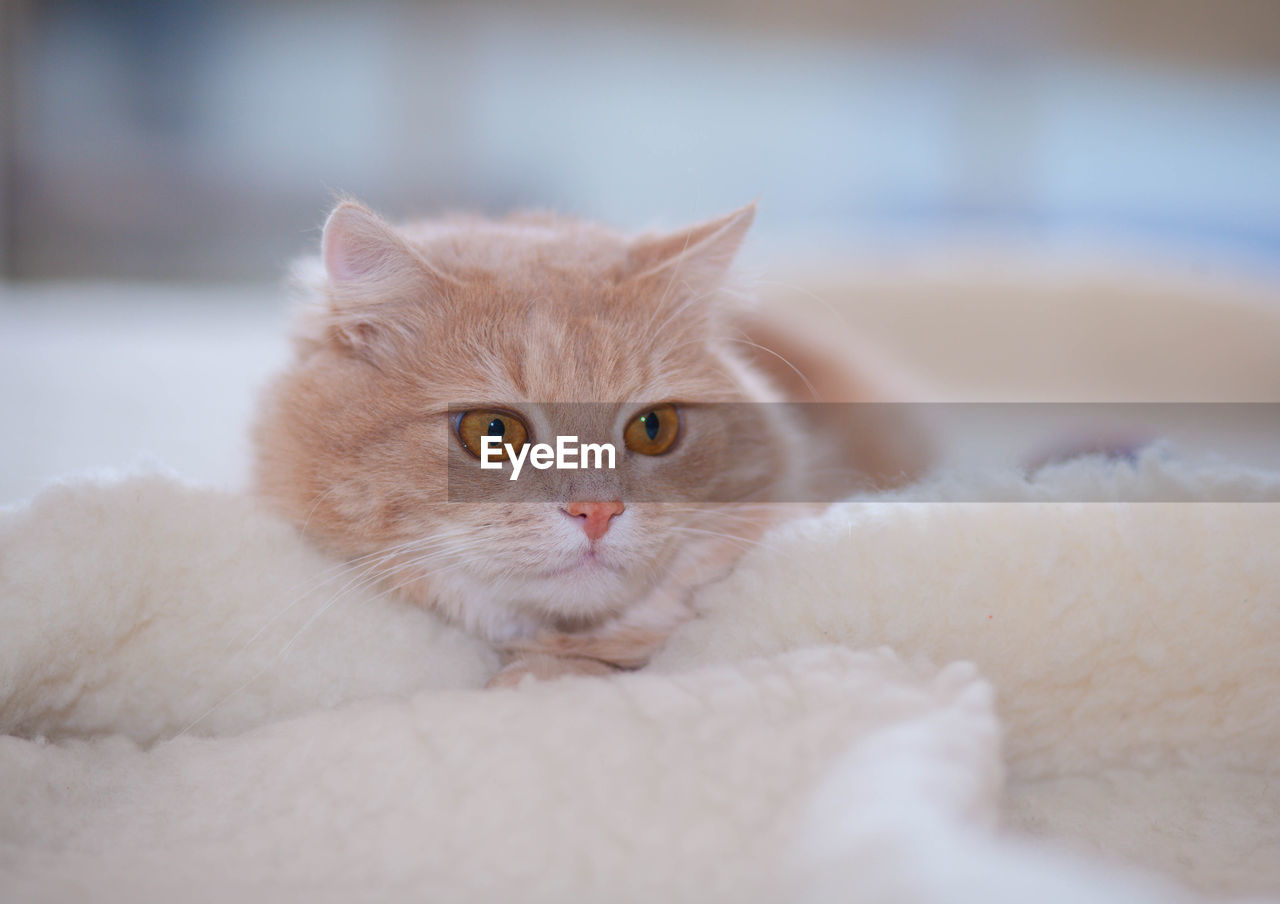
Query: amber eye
{"points": [[474, 426], [652, 432]]}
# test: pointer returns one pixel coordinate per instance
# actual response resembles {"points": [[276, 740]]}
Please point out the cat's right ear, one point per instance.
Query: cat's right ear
{"points": [[376, 280], [365, 256]]}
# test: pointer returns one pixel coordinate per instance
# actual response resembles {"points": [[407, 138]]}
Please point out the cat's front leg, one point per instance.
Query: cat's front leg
{"points": [[616, 645], [545, 666]]}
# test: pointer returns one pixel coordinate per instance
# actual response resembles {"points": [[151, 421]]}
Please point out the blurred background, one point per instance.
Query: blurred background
{"points": [[1061, 199], [202, 140]]}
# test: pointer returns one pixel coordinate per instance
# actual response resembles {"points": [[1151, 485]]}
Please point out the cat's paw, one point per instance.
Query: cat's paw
{"points": [[615, 645], [542, 667]]}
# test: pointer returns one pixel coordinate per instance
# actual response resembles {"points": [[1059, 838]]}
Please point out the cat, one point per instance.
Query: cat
{"points": [[415, 341]]}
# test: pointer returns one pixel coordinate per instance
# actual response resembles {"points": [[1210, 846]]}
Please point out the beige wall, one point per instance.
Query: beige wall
{"points": [[1230, 33]]}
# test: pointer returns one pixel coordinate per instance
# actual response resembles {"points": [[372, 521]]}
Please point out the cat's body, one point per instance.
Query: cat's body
{"points": [[413, 332]]}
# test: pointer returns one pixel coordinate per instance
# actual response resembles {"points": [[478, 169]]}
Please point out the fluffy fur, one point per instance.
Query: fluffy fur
{"points": [[1131, 649], [404, 325]]}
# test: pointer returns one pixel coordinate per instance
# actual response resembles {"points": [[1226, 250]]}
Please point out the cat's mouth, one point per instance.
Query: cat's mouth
{"points": [[590, 561]]}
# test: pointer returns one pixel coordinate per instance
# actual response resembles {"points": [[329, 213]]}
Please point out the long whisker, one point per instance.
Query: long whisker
{"points": [[315, 505], [807, 385], [688, 237], [374, 576], [361, 581], [689, 302], [745, 542], [825, 303], [332, 573]]}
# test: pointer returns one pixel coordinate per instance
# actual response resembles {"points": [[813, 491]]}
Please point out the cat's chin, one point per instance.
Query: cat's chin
{"points": [[587, 590], [588, 564], [582, 592]]}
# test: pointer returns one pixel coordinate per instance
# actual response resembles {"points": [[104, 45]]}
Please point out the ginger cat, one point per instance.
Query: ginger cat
{"points": [[416, 341]]}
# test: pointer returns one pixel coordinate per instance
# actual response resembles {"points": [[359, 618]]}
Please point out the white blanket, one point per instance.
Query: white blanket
{"points": [[198, 706]]}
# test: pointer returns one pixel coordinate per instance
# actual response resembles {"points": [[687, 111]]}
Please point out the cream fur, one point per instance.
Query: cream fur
{"points": [[1131, 649]]}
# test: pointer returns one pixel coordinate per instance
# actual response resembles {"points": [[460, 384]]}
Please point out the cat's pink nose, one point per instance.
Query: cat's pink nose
{"points": [[595, 515]]}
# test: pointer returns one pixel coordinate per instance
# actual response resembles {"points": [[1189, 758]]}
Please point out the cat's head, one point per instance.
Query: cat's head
{"points": [[415, 337]]}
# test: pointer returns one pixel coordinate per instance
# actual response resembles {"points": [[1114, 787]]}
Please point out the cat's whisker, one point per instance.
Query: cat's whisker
{"points": [[418, 564], [690, 300], [808, 293], [699, 341], [333, 573], [679, 262], [813, 393], [315, 505], [357, 585], [270, 664], [222, 701], [364, 580], [364, 570], [307, 587], [745, 542], [421, 575]]}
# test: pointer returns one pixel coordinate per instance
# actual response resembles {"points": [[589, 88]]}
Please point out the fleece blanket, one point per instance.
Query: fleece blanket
{"points": [[897, 700]]}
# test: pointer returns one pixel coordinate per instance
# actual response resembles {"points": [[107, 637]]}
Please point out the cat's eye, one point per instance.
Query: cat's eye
{"points": [[475, 425], [653, 431]]}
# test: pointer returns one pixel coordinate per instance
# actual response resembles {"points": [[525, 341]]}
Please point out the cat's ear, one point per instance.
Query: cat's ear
{"points": [[374, 277], [697, 256], [364, 255]]}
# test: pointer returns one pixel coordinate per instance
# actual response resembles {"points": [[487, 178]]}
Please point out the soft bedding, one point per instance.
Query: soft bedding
{"points": [[897, 700]]}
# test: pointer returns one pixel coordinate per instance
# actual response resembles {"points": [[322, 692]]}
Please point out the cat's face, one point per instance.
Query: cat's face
{"points": [[550, 328]]}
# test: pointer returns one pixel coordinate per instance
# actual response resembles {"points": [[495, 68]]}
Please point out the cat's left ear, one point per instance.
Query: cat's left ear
{"points": [[698, 256]]}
